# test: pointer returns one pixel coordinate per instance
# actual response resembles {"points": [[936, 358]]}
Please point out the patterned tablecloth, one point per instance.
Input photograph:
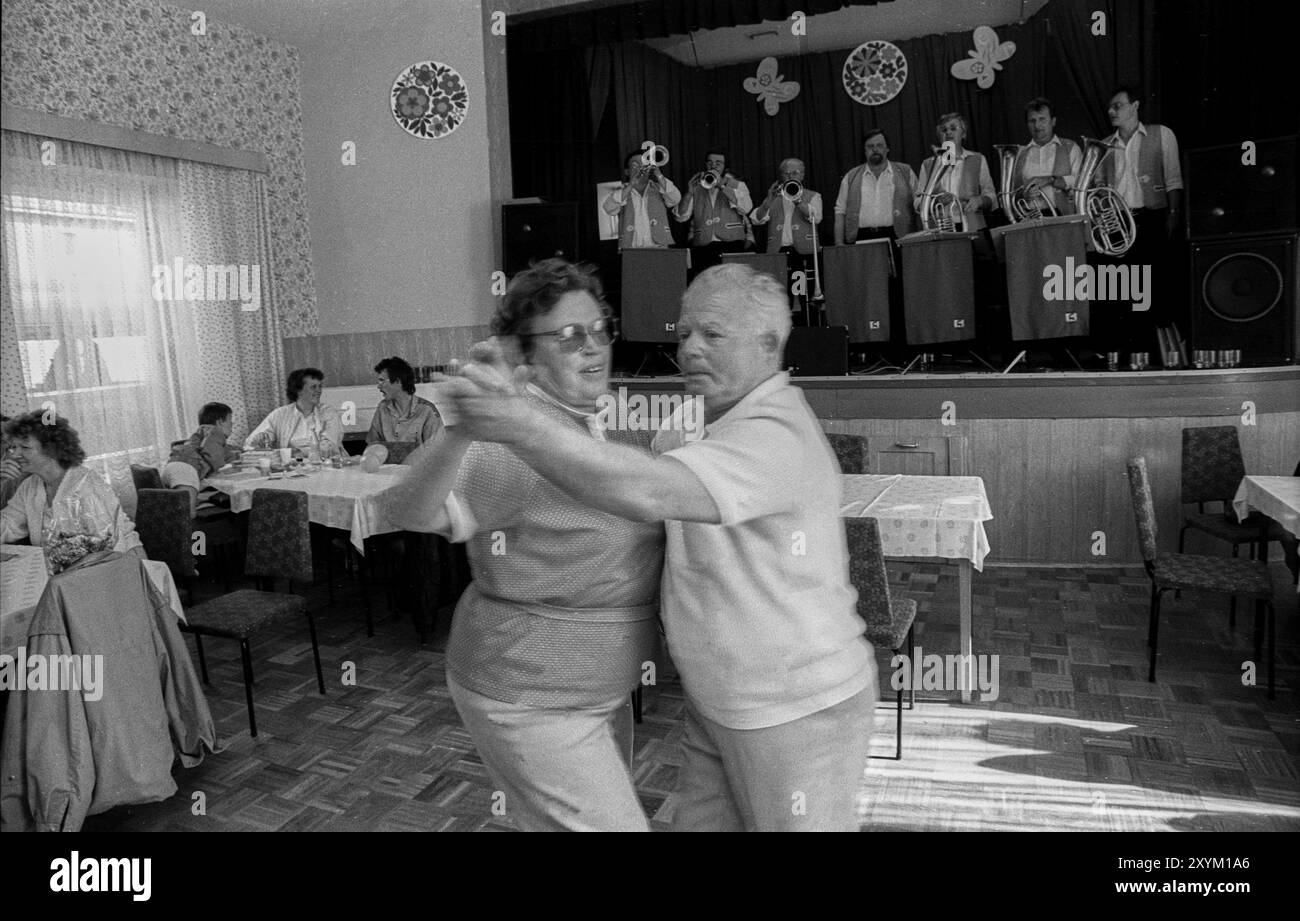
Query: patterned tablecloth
{"points": [[1278, 497], [23, 579], [923, 516], [347, 498]]}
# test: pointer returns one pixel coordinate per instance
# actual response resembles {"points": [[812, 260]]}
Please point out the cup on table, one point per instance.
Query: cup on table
{"points": [[264, 466], [286, 455]]}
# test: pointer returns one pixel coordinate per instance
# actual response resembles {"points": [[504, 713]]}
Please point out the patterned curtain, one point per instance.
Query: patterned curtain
{"points": [[135, 288]]}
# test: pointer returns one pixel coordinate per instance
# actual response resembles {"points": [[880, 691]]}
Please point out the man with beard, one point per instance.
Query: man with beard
{"points": [[876, 200]]}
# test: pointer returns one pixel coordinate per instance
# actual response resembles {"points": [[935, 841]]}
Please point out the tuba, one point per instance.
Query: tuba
{"points": [[1110, 222], [940, 210], [1019, 204]]}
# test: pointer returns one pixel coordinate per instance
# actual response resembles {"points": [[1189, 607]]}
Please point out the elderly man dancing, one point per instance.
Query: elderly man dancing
{"points": [[780, 682]]}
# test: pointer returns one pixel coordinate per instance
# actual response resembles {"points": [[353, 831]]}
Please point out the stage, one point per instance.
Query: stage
{"points": [[1051, 447]]}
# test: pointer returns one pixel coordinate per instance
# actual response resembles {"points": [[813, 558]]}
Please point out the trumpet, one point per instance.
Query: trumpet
{"points": [[1021, 204], [709, 179], [1111, 226], [940, 210], [792, 191], [655, 155]]}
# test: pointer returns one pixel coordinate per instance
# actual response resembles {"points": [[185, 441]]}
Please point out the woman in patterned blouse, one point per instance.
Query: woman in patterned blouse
{"points": [[561, 620]]}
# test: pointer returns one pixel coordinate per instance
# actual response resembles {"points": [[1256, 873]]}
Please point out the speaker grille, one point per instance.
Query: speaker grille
{"points": [[1242, 287]]}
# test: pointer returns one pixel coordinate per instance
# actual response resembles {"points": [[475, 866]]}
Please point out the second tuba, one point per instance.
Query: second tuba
{"points": [[940, 210], [1019, 204], [1110, 222]]}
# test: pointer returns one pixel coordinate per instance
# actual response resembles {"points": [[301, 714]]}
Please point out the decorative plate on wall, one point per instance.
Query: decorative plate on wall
{"points": [[874, 72], [429, 100]]}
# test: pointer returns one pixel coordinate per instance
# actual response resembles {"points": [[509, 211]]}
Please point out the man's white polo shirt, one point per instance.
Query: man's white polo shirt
{"points": [[760, 615]]}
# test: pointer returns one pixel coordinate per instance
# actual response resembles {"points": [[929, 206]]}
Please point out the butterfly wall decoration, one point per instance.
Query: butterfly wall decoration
{"points": [[980, 64], [769, 87]]}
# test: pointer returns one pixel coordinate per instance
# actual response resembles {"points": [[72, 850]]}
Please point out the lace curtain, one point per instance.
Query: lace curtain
{"points": [[134, 289]]}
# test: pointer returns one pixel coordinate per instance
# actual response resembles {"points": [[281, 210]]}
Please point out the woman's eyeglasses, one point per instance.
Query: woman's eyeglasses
{"points": [[573, 336]]}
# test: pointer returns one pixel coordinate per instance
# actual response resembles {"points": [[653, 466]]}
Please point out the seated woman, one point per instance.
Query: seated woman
{"points": [[550, 638], [62, 499], [11, 468], [304, 422], [402, 416]]}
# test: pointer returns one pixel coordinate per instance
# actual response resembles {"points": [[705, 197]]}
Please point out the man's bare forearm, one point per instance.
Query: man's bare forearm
{"points": [[613, 478]]}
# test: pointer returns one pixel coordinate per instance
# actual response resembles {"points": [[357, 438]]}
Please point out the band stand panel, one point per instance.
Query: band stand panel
{"points": [[775, 264], [856, 286], [654, 281], [1034, 250], [939, 286]]}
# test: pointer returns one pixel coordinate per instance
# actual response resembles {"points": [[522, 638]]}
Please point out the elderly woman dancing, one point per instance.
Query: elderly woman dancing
{"points": [[553, 633]]}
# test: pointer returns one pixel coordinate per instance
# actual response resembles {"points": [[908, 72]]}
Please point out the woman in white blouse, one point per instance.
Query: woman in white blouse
{"points": [[304, 422], [61, 497]]}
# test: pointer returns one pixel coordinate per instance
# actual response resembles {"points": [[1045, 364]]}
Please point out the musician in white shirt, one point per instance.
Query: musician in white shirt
{"points": [[643, 204], [970, 180], [1048, 163]]}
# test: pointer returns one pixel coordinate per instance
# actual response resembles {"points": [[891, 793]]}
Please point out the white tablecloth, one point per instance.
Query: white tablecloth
{"points": [[346, 498], [1278, 497], [923, 516], [23, 578]]}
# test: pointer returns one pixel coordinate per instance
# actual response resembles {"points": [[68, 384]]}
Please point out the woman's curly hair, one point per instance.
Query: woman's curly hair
{"points": [[58, 439], [535, 291]]}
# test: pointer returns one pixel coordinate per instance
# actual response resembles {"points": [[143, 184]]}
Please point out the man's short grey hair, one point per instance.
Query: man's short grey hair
{"points": [[791, 160], [952, 116], [759, 297]]}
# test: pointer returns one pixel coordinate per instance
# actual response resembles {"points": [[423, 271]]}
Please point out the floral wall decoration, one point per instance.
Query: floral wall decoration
{"points": [[874, 73], [980, 64], [429, 100], [770, 88]]}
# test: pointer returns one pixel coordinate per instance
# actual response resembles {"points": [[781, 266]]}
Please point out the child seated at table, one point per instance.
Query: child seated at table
{"points": [[204, 453]]}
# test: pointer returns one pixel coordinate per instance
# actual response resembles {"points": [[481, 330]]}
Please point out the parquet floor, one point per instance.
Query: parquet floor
{"points": [[1077, 739]]}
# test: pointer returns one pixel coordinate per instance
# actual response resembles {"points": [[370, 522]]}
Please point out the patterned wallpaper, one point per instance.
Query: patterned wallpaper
{"points": [[136, 64]]}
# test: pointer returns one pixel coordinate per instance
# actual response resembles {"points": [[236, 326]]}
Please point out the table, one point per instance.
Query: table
{"points": [[929, 517], [23, 579], [1278, 497], [346, 498]]}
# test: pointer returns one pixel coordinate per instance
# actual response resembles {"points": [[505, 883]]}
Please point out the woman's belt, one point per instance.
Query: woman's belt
{"points": [[613, 615]]}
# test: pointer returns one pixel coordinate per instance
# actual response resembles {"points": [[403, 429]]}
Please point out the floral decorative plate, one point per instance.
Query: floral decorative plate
{"points": [[429, 100], [874, 73]]}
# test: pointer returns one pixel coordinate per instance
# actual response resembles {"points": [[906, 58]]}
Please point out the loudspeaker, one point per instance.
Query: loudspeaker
{"points": [[1245, 297], [1224, 196], [818, 351], [653, 282], [538, 231]]}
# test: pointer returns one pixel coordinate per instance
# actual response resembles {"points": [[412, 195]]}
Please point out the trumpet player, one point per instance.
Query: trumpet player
{"points": [[717, 204], [1048, 164], [970, 181], [795, 216], [642, 204]]}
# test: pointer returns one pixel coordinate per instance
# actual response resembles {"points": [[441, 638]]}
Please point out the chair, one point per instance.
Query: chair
{"points": [[1212, 469], [279, 547], [1229, 575], [162, 519], [889, 622], [146, 477], [850, 451]]}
